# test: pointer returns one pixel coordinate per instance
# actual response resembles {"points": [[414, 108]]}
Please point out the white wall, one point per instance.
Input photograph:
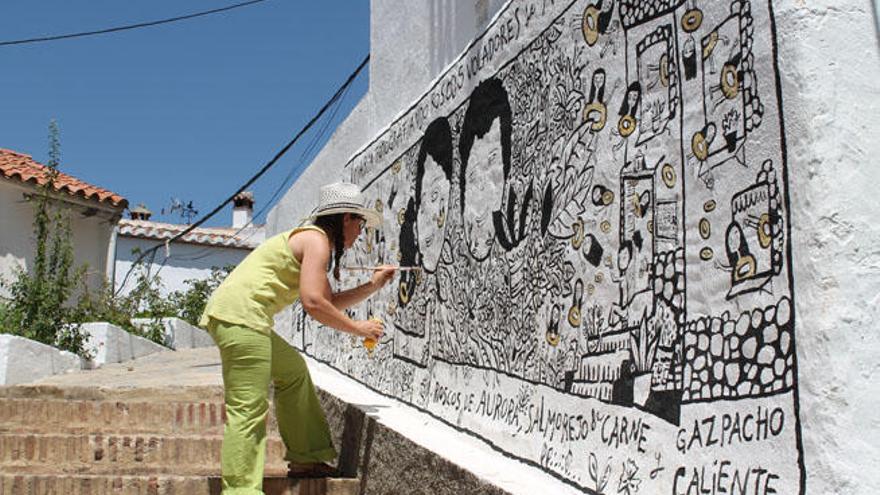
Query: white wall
{"points": [[16, 217], [830, 66], [187, 261], [410, 43], [90, 235]]}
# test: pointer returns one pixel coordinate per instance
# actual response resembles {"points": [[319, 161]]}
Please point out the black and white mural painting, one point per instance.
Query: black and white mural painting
{"points": [[596, 194]]}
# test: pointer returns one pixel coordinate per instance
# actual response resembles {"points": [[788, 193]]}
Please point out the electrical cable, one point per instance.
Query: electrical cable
{"points": [[256, 176], [305, 158], [130, 26]]}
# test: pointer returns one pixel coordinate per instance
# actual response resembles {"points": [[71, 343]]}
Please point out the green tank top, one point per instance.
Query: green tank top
{"points": [[263, 284]]}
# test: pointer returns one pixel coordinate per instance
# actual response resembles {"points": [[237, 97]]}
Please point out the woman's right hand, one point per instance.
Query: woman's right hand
{"points": [[370, 329]]}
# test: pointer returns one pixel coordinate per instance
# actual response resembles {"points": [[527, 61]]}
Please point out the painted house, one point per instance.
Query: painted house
{"points": [[93, 213], [191, 257], [646, 232]]}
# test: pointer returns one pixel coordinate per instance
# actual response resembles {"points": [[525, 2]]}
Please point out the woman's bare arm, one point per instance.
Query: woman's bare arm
{"points": [[347, 298], [314, 288]]}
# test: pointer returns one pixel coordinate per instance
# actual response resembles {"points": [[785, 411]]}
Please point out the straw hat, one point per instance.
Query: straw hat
{"points": [[344, 197]]}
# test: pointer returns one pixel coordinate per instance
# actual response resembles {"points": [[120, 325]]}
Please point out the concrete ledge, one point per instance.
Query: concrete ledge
{"points": [[392, 447], [111, 344], [23, 360], [179, 334]]}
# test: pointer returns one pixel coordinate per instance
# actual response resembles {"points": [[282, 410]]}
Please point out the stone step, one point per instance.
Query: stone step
{"points": [[25, 484], [101, 453], [41, 415]]}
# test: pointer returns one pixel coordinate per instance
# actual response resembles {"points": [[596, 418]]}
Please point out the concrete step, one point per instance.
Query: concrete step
{"points": [[43, 415], [121, 454], [25, 484]]}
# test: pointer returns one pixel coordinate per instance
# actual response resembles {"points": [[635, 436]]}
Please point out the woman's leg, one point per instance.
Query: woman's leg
{"points": [[246, 356], [301, 420]]}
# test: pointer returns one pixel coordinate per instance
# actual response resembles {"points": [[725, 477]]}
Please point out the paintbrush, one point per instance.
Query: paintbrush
{"points": [[375, 268]]}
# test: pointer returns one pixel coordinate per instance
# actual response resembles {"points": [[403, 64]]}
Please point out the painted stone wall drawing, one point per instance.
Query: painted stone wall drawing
{"points": [[596, 191]]}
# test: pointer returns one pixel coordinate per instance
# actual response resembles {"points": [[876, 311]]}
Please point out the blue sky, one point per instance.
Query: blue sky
{"points": [[187, 110]]}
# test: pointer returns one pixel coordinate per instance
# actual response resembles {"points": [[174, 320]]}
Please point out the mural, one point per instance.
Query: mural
{"points": [[596, 194]]}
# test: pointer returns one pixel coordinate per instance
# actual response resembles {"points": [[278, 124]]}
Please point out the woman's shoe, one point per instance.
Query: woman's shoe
{"points": [[311, 470]]}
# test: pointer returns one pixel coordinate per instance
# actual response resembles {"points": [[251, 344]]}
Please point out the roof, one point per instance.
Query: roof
{"points": [[211, 236], [21, 167]]}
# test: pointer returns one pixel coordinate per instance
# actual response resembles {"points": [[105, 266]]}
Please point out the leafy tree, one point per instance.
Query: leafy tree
{"points": [[37, 306]]}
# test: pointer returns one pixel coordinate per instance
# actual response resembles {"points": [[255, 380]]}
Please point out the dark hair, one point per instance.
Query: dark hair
{"points": [[597, 93], [624, 107], [332, 226], [488, 101], [437, 142]]}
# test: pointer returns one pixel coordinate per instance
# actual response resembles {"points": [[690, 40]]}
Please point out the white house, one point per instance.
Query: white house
{"points": [[93, 213], [191, 257]]}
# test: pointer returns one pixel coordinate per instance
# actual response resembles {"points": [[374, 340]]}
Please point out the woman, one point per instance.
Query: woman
{"points": [[239, 316]]}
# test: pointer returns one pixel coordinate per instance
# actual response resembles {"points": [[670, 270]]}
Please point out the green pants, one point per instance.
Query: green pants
{"points": [[250, 360]]}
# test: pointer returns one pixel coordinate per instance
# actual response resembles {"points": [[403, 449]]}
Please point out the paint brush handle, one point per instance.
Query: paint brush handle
{"points": [[374, 268]]}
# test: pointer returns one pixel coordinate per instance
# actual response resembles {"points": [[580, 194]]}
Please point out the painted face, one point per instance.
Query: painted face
{"points": [[623, 259], [431, 218], [632, 97], [352, 225], [598, 79], [484, 186]]}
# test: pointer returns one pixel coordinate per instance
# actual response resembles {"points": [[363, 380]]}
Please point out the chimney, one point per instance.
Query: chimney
{"points": [[243, 209], [140, 213]]}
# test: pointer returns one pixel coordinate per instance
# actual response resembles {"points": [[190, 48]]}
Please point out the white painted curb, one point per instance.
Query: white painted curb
{"points": [[179, 334], [23, 360], [111, 344]]}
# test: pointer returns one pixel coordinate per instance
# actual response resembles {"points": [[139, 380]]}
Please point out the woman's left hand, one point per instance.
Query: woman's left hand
{"points": [[383, 275]]}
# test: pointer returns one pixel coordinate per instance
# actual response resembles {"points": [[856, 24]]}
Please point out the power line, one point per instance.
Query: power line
{"points": [[266, 167], [131, 26], [305, 156]]}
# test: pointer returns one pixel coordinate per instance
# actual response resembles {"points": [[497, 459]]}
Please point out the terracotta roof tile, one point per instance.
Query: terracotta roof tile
{"points": [[21, 167], [213, 236]]}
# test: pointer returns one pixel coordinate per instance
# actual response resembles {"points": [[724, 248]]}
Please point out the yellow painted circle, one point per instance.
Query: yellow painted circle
{"points": [[574, 316], [699, 146], [664, 70], [605, 226], [729, 81], [705, 228], [626, 125], [590, 25], [404, 293], [651, 227], [591, 289], [745, 268], [600, 277], [709, 206], [765, 236], [691, 20], [598, 114], [706, 254], [401, 216], [668, 174], [552, 338], [578, 238], [607, 198]]}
